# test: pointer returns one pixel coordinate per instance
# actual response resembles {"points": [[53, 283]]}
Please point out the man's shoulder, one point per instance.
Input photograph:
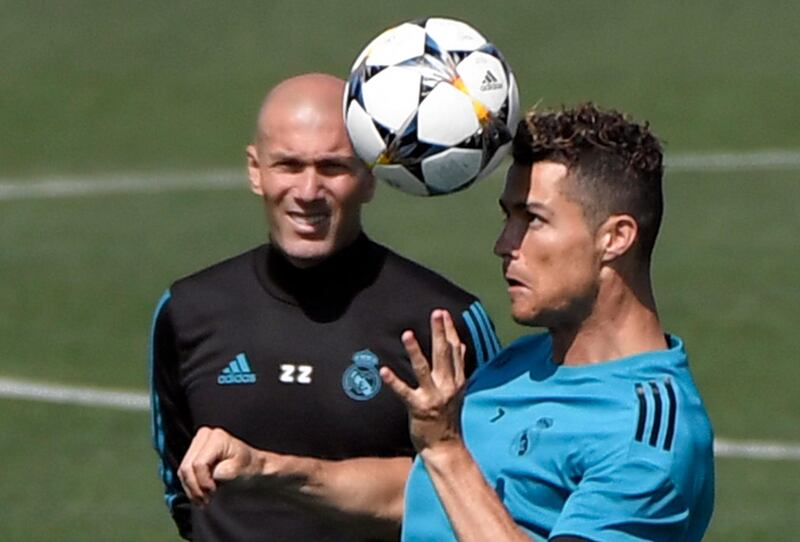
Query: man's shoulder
{"points": [[220, 274], [216, 287], [533, 349], [533, 341], [407, 275], [526, 355]]}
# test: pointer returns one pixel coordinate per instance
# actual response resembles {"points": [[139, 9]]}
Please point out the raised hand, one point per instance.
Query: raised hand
{"points": [[434, 407]]}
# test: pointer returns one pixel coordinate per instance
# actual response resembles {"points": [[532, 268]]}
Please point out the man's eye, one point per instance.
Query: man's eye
{"points": [[333, 168], [291, 166], [534, 219]]}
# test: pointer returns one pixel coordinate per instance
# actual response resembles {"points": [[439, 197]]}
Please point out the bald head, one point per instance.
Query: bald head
{"points": [[303, 166], [310, 99]]}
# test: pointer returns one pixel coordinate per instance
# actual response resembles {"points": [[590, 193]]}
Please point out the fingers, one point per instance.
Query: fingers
{"points": [[458, 349], [459, 365], [450, 329], [239, 459], [400, 388], [434, 407], [441, 350], [226, 470], [215, 455], [195, 469], [418, 361], [210, 448], [447, 353]]}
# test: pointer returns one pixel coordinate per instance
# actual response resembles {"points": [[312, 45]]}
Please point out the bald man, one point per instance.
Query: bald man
{"points": [[269, 416]]}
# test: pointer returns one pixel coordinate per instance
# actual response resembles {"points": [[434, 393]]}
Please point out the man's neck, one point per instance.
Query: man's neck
{"points": [[313, 262], [623, 322]]}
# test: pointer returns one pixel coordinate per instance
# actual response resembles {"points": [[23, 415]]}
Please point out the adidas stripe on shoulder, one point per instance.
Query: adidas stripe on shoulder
{"points": [[482, 333]]}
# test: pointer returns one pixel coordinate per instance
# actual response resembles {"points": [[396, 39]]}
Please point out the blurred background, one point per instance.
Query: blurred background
{"points": [[122, 135]]}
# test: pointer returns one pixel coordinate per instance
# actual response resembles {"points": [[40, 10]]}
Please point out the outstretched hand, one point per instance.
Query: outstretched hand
{"points": [[434, 407]]}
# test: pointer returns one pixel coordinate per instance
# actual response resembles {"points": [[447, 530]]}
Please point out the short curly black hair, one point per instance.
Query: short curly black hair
{"points": [[615, 164]]}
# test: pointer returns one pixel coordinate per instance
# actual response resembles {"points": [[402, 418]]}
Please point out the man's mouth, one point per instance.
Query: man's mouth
{"points": [[308, 220], [513, 282]]}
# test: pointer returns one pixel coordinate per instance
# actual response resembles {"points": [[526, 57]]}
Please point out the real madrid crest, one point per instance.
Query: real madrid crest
{"points": [[361, 380]]}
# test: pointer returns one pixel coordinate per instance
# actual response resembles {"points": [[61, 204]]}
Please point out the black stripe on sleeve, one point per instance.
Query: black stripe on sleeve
{"points": [[673, 407], [642, 412], [656, 414]]}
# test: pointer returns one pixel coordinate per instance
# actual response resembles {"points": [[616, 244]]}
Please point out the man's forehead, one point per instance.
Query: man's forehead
{"points": [[306, 139], [308, 156], [538, 182], [276, 115], [303, 123]]}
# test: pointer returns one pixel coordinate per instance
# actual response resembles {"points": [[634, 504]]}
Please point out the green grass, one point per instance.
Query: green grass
{"points": [[726, 277], [93, 85], [83, 474], [755, 501], [97, 87], [84, 274], [105, 260], [89, 474]]}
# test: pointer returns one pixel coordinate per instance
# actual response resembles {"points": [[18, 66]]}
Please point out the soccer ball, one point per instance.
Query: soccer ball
{"points": [[431, 106]]}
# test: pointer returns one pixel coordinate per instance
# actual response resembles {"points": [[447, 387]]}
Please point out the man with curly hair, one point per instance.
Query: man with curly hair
{"points": [[593, 430]]}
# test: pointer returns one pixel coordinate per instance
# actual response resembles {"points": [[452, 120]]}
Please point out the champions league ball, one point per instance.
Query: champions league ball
{"points": [[431, 106]]}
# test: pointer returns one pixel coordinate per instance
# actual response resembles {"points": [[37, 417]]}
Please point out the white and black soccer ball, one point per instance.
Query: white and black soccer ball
{"points": [[431, 106]]}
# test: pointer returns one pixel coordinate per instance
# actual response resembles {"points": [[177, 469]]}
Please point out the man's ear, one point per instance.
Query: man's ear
{"points": [[254, 171], [369, 189], [616, 236]]}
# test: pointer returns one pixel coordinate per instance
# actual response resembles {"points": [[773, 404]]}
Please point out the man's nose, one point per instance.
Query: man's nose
{"points": [[509, 241], [310, 186], [502, 246]]}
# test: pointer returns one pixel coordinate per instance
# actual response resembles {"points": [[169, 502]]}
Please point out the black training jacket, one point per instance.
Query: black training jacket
{"points": [[286, 359]]}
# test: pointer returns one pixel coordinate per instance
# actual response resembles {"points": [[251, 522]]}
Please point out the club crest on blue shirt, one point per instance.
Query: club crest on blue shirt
{"points": [[526, 439], [521, 443], [361, 380]]}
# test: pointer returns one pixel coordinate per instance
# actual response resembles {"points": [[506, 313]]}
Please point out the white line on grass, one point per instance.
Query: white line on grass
{"points": [[154, 182], [52, 393], [125, 400], [777, 159], [756, 449], [134, 183]]}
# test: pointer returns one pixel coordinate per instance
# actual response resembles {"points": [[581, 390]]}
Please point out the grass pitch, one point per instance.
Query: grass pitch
{"points": [[97, 88]]}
